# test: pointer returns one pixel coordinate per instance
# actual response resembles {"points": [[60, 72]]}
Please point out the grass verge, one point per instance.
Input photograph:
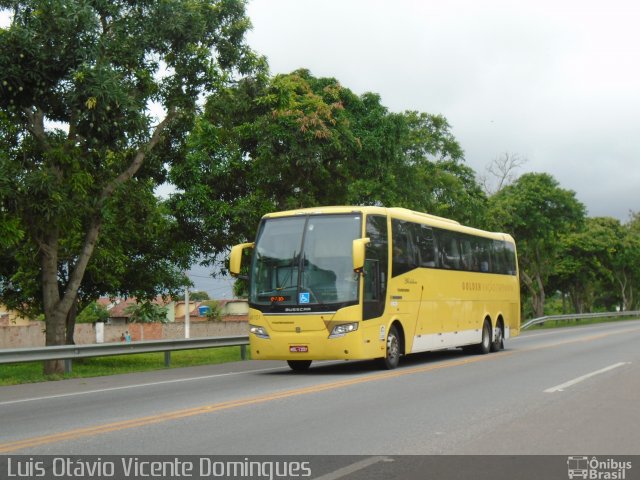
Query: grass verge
{"points": [[14, 374]]}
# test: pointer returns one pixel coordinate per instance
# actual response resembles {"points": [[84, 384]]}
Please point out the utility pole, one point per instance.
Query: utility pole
{"points": [[187, 319]]}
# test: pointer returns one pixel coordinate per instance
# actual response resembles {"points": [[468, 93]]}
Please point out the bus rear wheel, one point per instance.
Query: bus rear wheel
{"points": [[299, 365], [498, 343], [392, 357], [484, 346]]}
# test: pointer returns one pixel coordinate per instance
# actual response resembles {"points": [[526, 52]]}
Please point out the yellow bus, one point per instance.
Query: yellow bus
{"points": [[375, 283]]}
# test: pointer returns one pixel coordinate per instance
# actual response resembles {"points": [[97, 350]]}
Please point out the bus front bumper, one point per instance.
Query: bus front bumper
{"points": [[314, 346]]}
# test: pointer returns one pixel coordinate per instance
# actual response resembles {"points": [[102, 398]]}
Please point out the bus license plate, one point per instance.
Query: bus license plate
{"points": [[298, 349]]}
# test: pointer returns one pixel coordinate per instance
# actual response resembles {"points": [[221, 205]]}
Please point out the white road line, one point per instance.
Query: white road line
{"points": [[561, 387], [354, 467], [139, 385], [151, 384]]}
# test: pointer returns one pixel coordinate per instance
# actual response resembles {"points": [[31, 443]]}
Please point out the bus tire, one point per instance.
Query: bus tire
{"points": [[392, 354], [484, 346], [498, 342], [299, 365]]}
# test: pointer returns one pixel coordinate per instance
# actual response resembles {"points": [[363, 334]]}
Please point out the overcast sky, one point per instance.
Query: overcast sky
{"points": [[556, 82]]}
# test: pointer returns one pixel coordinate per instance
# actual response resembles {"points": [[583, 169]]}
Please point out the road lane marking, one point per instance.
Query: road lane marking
{"points": [[138, 385], [585, 339], [76, 434], [153, 384], [354, 467], [570, 383], [216, 407]]}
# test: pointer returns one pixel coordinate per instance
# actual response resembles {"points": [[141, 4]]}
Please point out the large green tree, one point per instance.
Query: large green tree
{"points": [[139, 254], [77, 81], [537, 212], [626, 263], [599, 265], [291, 141], [585, 261]]}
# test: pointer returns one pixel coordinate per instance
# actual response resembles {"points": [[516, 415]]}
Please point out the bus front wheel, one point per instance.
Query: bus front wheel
{"points": [[392, 357], [299, 365]]}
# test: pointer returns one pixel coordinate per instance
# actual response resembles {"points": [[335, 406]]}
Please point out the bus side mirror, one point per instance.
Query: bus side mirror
{"points": [[235, 260], [359, 245]]}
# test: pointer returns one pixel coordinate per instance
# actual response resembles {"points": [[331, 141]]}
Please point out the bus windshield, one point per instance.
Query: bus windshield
{"points": [[305, 260]]}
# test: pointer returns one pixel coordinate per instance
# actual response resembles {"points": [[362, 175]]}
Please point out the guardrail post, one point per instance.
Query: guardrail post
{"points": [[68, 365], [243, 352], [167, 358]]}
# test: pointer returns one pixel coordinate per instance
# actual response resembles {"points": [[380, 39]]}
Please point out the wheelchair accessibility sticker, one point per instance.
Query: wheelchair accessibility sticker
{"points": [[303, 297]]}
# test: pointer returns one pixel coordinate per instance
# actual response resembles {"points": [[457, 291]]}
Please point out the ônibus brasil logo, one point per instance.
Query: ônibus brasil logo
{"points": [[596, 469]]}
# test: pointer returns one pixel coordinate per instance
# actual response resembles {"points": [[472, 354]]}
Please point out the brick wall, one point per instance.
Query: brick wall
{"points": [[32, 335]]}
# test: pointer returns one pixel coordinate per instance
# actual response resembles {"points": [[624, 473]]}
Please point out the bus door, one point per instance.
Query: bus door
{"points": [[407, 286]]}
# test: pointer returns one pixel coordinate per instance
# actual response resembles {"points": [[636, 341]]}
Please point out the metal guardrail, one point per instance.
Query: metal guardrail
{"points": [[70, 352], [577, 316]]}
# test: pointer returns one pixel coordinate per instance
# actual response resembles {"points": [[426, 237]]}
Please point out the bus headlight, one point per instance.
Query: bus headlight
{"points": [[342, 329], [258, 331]]}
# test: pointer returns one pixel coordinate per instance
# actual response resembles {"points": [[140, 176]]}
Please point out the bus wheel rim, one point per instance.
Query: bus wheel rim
{"points": [[393, 348], [486, 337]]}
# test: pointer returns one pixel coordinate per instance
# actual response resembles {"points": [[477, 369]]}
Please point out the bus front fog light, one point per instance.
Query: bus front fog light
{"points": [[258, 331], [342, 329]]}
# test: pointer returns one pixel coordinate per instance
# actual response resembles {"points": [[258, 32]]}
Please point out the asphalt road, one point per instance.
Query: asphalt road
{"points": [[556, 392]]}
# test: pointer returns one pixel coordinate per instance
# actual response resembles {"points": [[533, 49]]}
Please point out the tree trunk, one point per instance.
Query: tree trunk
{"points": [[58, 305], [55, 335], [541, 296], [71, 323], [623, 291], [537, 294], [54, 319], [58, 308], [537, 302]]}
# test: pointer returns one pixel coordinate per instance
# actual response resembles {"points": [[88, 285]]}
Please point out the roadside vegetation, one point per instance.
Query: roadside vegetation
{"points": [[115, 365]]}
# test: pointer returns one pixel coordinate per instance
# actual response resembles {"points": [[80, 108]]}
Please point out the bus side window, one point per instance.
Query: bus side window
{"points": [[511, 258], [425, 245], [404, 252], [449, 250], [467, 255], [485, 254], [372, 286], [499, 257]]}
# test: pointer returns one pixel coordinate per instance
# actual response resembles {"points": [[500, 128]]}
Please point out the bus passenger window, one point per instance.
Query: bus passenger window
{"points": [[404, 254], [449, 251], [467, 255], [423, 237]]}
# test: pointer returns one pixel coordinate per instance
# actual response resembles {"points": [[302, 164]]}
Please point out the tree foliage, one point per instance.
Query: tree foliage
{"points": [[147, 312], [291, 141], [94, 312], [536, 211], [585, 261], [78, 140], [625, 263]]}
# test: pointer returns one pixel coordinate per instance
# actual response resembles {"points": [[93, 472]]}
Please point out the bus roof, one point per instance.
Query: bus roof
{"points": [[394, 212]]}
